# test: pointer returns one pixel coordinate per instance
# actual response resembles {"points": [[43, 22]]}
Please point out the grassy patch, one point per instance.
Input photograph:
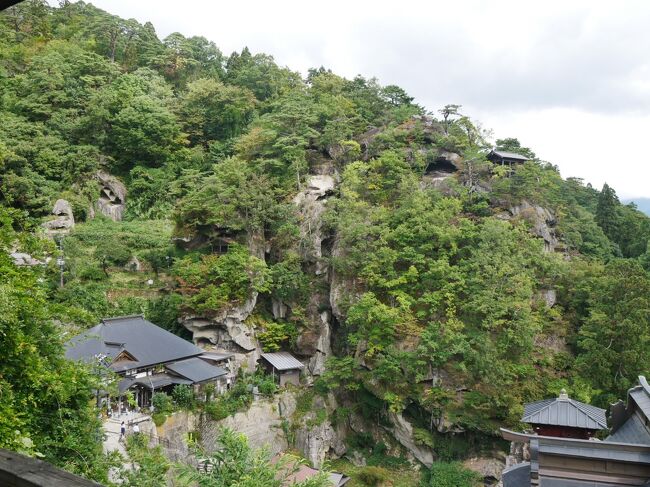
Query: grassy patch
{"points": [[401, 477]]}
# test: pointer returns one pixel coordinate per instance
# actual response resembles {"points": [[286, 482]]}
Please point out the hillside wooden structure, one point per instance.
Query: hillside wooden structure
{"points": [[506, 158], [622, 459], [148, 358], [284, 366]]}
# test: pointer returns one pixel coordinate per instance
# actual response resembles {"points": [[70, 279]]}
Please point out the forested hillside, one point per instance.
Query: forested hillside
{"points": [[236, 202]]}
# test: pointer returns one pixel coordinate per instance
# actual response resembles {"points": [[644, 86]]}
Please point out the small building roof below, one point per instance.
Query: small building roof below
{"points": [[156, 381], [509, 155], [283, 361], [217, 356], [196, 370], [563, 411]]}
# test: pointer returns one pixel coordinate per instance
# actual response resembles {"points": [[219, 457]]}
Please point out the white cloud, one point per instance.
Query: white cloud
{"points": [[570, 79]]}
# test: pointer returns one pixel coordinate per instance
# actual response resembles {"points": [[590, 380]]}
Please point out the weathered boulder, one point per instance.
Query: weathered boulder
{"points": [[279, 309], [323, 349], [547, 296], [63, 208], [489, 468], [311, 203], [262, 424], [367, 138], [63, 219], [22, 259], [342, 288], [402, 430], [542, 222], [316, 441], [112, 197], [226, 329], [314, 340], [133, 265]]}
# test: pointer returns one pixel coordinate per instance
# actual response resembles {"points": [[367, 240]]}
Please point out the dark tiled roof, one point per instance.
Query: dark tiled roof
{"points": [[641, 397], [196, 370], [283, 361], [157, 381], [217, 356], [550, 482], [563, 411], [148, 343], [517, 475], [632, 431], [510, 155]]}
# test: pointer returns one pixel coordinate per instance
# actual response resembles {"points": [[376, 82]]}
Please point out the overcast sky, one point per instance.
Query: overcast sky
{"points": [[570, 79]]}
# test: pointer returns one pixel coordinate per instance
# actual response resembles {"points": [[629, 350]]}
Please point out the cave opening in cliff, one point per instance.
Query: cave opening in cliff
{"points": [[440, 165]]}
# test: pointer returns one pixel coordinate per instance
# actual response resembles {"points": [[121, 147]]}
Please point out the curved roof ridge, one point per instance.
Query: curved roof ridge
{"points": [[125, 317], [644, 384]]}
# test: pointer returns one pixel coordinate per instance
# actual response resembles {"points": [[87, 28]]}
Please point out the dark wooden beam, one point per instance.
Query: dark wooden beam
{"points": [[5, 4], [17, 470]]}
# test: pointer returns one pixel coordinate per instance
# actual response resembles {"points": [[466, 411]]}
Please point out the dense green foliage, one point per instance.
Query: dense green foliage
{"points": [[46, 401], [235, 464], [452, 475], [440, 309]]}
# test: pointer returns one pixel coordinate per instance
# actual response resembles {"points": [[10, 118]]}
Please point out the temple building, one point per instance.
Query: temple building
{"points": [[506, 158], [147, 358], [563, 453], [564, 418]]}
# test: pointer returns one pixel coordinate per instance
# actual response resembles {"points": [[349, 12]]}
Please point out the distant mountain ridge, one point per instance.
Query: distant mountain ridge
{"points": [[643, 204]]}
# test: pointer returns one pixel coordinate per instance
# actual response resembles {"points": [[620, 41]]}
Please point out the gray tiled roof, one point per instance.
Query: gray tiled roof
{"points": [[196, 370], [148, 343], [510, 155], [641, 398], [632, 431], [551, 482], [283, 361], [517, 475], [217, 356], [565, 412], [157, 381]]}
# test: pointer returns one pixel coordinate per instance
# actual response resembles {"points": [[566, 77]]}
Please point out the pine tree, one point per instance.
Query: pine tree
{"points": [[606, 212]]}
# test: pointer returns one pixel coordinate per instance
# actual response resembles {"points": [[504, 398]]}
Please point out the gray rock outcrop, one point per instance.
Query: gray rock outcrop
{"points": [[63, 219], [227, 329], [318, 440], [112, 197], [547, 296], [262, 424], [402, 430], [22, 259], [311, 202], [489, 468], [542, 222]]}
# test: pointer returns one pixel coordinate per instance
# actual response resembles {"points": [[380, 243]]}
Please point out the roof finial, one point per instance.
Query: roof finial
{"points": [[563, 395]]}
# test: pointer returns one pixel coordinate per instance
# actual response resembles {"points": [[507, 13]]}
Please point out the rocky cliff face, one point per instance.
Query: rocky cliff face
{"points": [[314, 342], [331, 294], [542, 222], [62, 221], [112, 197]]}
